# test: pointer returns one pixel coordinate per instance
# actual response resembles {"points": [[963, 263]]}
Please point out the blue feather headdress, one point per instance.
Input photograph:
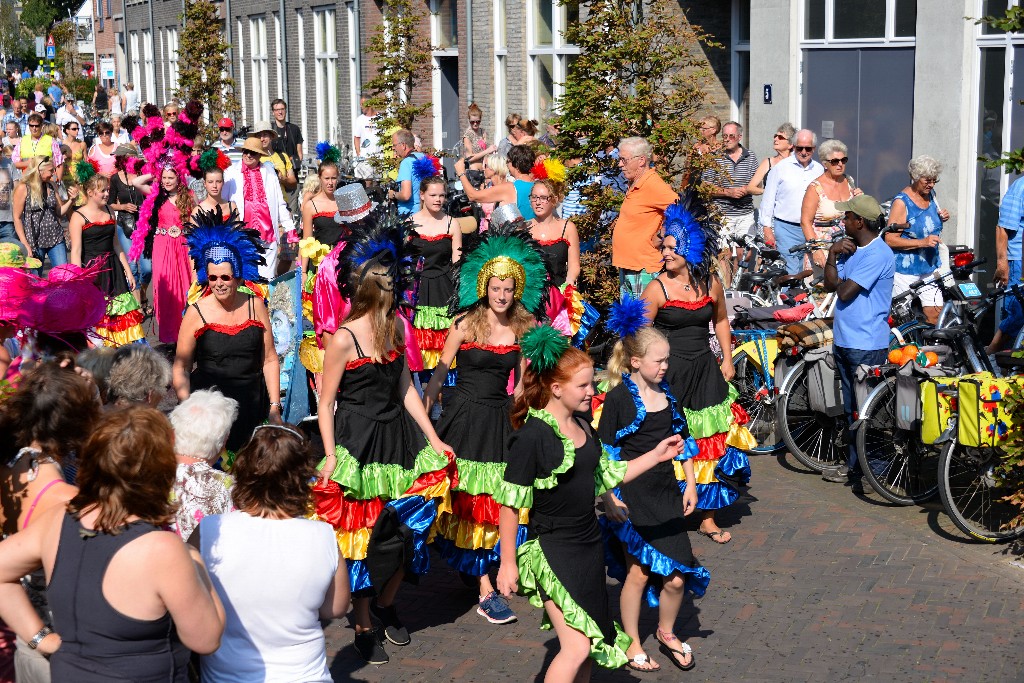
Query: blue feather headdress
{"points": [[425, 166], [626, 317], [326, 152], [381, 246], [696, 240], [212, 239]]}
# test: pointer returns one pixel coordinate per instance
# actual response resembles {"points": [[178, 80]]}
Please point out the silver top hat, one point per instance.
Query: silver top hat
{"points": [[506, 213], [353, 204]]}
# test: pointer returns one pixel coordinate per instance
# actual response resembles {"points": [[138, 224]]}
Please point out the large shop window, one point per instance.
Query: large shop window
{"points": [[859, 20], [549, 54], [325, 45]]}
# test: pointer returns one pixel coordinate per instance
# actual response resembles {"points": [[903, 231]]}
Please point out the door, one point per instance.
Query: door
{"points": [[450, 116]]}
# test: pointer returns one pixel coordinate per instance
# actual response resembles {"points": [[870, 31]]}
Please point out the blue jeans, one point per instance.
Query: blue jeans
{"points": [[7, 232], [787, 236], [632, 283], [57, 255], [142, 270], [847, 361]]}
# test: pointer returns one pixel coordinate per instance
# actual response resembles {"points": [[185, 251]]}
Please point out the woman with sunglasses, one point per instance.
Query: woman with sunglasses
{"points": [[78, 147], [474, 139], [558, 239], [102, 152], [819, 218], [225, 340], [783, 148]]}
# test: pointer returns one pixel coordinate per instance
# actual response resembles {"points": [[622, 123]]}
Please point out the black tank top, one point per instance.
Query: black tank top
{"points": [[99, 644]]}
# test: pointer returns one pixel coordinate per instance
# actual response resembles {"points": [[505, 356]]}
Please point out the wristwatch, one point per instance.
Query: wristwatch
{"points": [[38, 638]]}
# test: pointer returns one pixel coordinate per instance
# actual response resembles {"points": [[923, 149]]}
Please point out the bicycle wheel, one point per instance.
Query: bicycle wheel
{"points": [[759, 403], [816, 440], [971, 494], [894, 461]]}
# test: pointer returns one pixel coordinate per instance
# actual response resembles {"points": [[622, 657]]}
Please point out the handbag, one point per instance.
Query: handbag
{"points": [[126, 221]]}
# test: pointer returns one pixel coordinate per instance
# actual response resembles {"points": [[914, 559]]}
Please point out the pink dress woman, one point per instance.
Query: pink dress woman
{"points": [[172, 273]]}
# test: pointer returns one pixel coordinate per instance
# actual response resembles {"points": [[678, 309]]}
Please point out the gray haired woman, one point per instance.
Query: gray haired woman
{"points": [[783, 146], [819, 218], [201, 424], [138, 376]]}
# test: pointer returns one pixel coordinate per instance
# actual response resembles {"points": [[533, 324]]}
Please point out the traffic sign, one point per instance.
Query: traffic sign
{"points": [[51, 52], [50, 42], [40, 46]]}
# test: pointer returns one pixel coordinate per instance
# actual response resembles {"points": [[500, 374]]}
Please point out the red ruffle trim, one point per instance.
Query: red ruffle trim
{"points": [[711, 447], [500, 348], [688, 305], [359, 362], [229, 329], [324, 214], [344, 513], [551, 243], [120, 323], [430, 340], [92, 225], [482, 508], [739, 415], [435, 238]]}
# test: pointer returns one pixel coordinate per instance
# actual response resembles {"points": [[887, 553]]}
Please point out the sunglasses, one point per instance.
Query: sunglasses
{"points": [[836, 162], [474, 120], [225, 130], [800, 148], [249, 153], [780, 136], [33, 125], [220, 278]]}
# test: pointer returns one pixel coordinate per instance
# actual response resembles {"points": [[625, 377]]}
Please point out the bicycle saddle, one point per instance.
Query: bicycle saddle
{"points": [[766, 276]]}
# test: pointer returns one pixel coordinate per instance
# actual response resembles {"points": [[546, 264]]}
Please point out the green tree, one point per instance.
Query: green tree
{"points": [[37, 16], [14, 41], [203, 52], [65, 36], [641, 71], [402, 59]]}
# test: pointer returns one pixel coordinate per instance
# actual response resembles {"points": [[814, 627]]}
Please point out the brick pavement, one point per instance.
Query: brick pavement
{"points": [[817, 585]]}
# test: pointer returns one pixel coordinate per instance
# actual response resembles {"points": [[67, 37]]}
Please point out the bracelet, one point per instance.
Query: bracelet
{"points": [[276, 403], [38, 638]]}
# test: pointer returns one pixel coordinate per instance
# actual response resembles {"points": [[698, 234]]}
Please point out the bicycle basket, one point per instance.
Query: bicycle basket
{"points": [[983, 421]]}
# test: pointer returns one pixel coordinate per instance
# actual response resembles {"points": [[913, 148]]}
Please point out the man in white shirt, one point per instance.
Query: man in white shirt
{"points": [[69, 113], [364, 140], [784, 195]]}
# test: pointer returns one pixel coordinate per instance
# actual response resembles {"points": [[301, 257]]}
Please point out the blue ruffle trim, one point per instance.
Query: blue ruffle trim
{"points": [[690, 450], [474, 562], [587, 322], [678, 421], [415, 512], [695, 579], [358, 575], [734, 466]]}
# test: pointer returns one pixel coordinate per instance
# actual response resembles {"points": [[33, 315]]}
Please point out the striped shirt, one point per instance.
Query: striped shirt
{"points": [[233, 152], [733, 174]]}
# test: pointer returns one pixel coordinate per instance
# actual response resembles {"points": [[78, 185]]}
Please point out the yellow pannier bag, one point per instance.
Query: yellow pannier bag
{"points": [[983, 421], [936, 407]]}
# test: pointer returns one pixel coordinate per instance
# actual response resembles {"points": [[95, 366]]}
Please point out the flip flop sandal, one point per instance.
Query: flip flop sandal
{"points": [[638, 661], [713, 535], [683, 650]]}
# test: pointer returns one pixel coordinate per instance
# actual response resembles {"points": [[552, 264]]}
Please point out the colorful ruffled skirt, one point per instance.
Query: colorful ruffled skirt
{"points": [[122, 323], [430, 327]]}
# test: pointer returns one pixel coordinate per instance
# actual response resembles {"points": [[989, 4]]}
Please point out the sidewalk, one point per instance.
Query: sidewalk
{"points": [[816, 585]]}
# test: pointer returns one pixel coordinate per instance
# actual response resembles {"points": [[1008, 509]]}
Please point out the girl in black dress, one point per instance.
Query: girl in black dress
{"points": [[646, 516], [503, 275], [94, 240], [225, 340], [556, 467]]}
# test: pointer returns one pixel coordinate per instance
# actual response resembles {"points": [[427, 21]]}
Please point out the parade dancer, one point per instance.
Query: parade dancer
{"points": [[386, 474], [649, 547], [500, 290], [683, 300], [555, 468]]}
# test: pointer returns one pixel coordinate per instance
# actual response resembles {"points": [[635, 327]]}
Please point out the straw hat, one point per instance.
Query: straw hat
{"points": [[253, 144], [262, 127], [353, 204], [125, 150], [14, 255]]}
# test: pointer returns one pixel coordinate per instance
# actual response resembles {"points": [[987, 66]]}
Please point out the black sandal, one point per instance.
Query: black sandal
{"points": [[637, 664], [682, 651]]}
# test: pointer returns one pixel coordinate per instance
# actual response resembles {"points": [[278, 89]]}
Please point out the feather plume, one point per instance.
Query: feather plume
{"points": [[380, 245], [555, 170], [626, 317], [84, 170], [211, 239], [696, 240], [426, 166], [543, 346], [539, 172], [326, 152], [498, 250]]}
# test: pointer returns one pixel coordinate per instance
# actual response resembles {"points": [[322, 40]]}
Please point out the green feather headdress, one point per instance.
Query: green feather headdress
{"points": [[505, 252], [543, 346]]}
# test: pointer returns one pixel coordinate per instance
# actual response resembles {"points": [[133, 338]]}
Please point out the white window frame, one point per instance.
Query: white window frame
{"points": [[325, 46], [241, 72], [172, 60], [136, 70], [258, 61], [147, 46], [354, 77], [559, 51], [435, 75], [279, 54], [738, 46], [500, 67], [889, 40], [300, 32]]}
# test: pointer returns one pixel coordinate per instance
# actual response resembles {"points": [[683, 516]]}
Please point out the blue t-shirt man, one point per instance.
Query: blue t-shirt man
{"points": [[863, 322], [56, 94], [411, 205]]}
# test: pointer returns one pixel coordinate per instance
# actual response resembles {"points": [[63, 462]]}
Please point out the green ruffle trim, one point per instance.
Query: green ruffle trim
{"points": [[551, 481], [514, 495], [432, 318], [121, 304], [535, 574], [307, 286], [713, 419], [609, 473], [373, 480], [480, 477]]}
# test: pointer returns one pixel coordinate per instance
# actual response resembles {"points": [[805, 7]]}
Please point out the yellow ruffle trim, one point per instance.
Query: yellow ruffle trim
{"points": [[740, 437], [352, 544], [132, 334], [468, 534], [431, 358]]}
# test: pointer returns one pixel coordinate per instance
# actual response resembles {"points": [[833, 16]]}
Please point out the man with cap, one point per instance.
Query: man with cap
{"points": [[254, 187], [226, 141], [860, 270]]}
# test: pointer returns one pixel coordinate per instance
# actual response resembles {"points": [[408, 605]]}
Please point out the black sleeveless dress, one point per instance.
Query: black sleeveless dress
{"points": [[122, 323], [384, 466], [99, 644], [707, 401], [556, 256], [475, 423], [326, 230], [229, 358], [435, 288]]}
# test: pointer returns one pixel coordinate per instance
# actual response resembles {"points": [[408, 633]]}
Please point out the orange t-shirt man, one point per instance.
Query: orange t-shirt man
{"points": [[639, 219]]}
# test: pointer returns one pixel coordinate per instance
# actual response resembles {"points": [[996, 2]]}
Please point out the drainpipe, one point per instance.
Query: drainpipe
{"points": [[152, 40], [359, 56], [469, 50], [231, 44], [284, 52]]}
